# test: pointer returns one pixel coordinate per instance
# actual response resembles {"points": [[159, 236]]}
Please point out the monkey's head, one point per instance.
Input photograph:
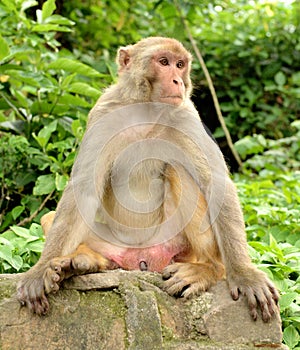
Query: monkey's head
{"points": [[156, 69]]}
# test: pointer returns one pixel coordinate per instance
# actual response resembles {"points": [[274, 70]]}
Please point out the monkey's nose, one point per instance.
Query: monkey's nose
{"points": [[178, 82]]}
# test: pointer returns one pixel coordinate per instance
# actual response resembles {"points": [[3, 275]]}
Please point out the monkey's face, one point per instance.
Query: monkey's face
{"points": [[155, 70], [170, 72]]}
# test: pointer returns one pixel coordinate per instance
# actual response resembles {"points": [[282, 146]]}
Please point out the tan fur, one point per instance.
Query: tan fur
{"points": [[212, 237]]}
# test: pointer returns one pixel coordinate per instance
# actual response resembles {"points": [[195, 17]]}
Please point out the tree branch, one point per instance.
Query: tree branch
{"points": [[210, 85], [34, 214]]}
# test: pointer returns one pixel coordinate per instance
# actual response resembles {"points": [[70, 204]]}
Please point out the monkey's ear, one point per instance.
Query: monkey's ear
{"points": [[123, 57]]}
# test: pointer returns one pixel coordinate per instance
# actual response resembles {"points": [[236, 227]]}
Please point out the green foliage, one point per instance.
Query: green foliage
{"points": [[252, 51], [45, 96], [269, 191], [20, 248]]}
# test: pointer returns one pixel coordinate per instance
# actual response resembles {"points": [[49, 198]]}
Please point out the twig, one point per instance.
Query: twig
{"points": [[17, 111], [34, 214], [210, 85]]}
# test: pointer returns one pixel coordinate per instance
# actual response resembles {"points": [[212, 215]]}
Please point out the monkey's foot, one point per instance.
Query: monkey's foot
{"points": [[259, 291], [84, 260], [188, 279]]}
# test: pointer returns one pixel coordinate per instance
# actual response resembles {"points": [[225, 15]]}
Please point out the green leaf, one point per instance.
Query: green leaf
{"points": [[45, 184], [10, 5], [57, 19], [280, 78], [16, 262], [84, 89], [5, 253], [286, 299], [45, 133], [20, 231], [61, 181], [36, 230], [48, 8], [291, 336], [4, 241], [35, 246], [4, 48], [50, 28], [71, 100], [28, 4], [74, 66], [17, 211], [248, 145]]}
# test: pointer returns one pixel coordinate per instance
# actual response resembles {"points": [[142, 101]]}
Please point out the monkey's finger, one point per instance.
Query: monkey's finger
{"points": [[20, 296], [169, 271], [39, 305], [58, 264], [266, 311], [252, 302], [274, 292], [51, 287], [264, 301], [194, 289], [175, 286], [270, 307], [235, 293]]}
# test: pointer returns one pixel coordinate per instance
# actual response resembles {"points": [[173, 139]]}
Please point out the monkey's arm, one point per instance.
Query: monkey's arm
{"points": [[242, 276], [68, 231], [211, 175], [31, 288]]}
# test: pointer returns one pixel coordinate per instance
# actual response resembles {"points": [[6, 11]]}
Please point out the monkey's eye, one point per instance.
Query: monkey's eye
{"points": [[180, 64], [164, 61]]}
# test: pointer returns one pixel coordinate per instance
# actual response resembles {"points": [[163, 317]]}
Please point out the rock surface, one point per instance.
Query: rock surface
{"points": [[127, 310]]}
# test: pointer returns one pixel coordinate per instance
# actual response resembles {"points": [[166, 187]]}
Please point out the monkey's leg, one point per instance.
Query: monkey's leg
{"points": [[202, 267], [84, 260], [66, 233], [47, 221]]}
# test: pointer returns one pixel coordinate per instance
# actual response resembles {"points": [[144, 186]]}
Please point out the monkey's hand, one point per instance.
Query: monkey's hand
{"points": [[31, 292], [258, 289], [188, 279]]}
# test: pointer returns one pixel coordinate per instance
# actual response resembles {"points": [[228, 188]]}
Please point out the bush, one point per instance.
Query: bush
{"points": [[270, 195], [45, 96]]}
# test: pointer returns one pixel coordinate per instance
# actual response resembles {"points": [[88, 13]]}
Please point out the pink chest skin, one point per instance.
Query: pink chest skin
{"points": [[155, 258]]}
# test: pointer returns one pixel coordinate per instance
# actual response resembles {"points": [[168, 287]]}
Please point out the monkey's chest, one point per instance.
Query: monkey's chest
{"points": [[135, 198]]}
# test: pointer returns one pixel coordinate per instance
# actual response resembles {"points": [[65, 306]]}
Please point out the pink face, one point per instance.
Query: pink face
{"points": [[170, 70]]}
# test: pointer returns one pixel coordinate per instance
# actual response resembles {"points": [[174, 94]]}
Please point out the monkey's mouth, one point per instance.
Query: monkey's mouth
{"points": [[174, 100]]}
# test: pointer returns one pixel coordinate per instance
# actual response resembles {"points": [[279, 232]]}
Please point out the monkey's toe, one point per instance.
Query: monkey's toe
{"points": [[51, 280], [81, 264], [60, 264], [170, 271]]}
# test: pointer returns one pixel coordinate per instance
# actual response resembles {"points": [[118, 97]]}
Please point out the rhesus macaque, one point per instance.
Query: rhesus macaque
{"points": [[149, 191]]}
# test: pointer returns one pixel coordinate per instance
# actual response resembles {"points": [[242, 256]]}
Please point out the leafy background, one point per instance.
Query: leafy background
{"points": [[55, 59]]}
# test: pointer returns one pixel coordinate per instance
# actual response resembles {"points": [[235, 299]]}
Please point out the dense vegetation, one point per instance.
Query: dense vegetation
{"points": [[56, 58]]}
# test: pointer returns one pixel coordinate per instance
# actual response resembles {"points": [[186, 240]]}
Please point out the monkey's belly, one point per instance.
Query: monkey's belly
{"points": [[154, 258]]}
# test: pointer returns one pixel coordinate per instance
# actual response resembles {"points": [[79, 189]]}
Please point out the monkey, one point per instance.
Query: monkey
{"points": [[149, 191]]}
